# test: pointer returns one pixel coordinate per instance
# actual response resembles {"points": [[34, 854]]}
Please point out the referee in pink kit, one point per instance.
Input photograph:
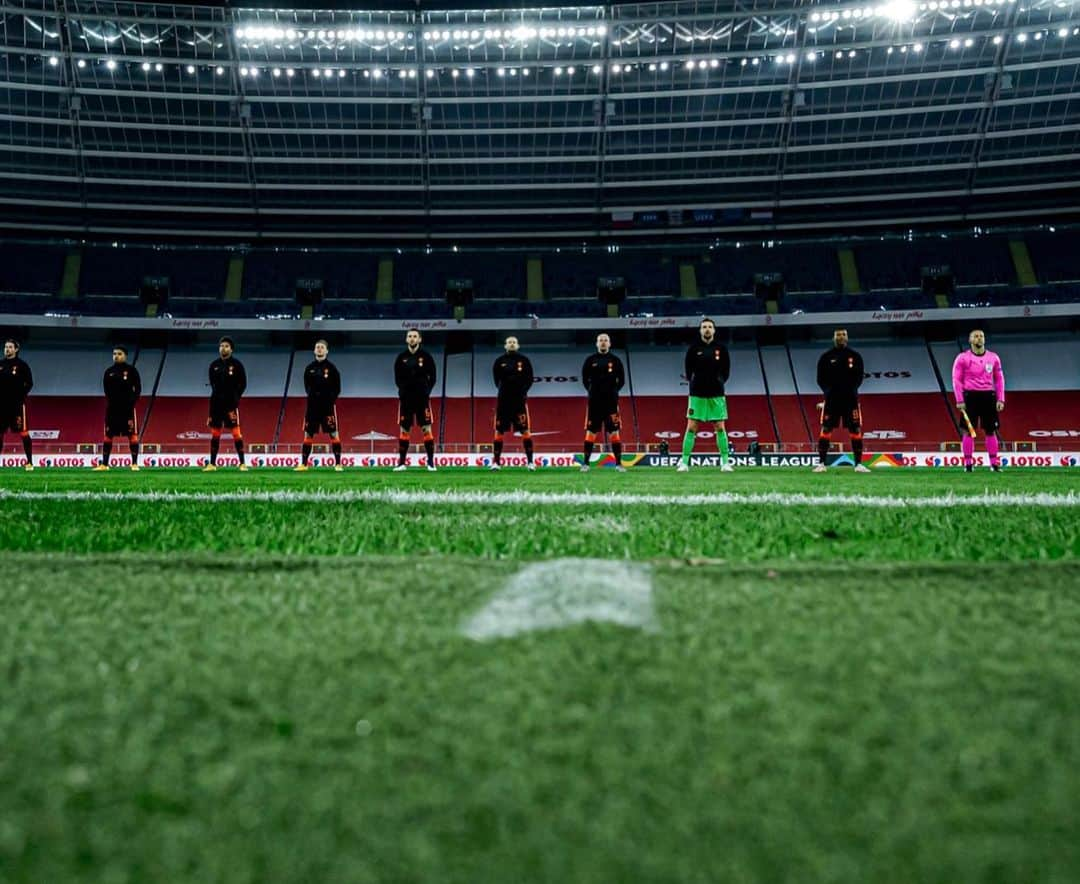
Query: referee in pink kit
{"points": [[979, 387]]}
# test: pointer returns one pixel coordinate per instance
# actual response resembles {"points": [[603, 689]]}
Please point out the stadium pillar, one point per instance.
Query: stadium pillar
{"points": [[69, 283], [234, 281], [534, 280], [688, 281], [1025, 270], [849, 272], [384, 282]]}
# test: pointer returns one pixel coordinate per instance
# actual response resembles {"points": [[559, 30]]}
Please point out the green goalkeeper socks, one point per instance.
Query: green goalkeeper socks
{"points": [[722, 444], [688, 445]]}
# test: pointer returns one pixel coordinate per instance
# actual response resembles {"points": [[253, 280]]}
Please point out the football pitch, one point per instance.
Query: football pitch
{"points": [[767, 676]]}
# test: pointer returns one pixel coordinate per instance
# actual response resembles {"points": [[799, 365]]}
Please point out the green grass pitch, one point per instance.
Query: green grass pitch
{"points": [[267, 677]]}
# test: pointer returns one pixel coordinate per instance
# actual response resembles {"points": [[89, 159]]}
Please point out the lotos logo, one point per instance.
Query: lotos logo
{"points": [[1055, 434], [1069, 461], [884, 434], [556, 379], [878, 375]]}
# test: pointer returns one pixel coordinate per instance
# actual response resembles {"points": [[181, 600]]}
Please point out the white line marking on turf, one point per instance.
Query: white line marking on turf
{"points": [[564, 592], [541, 498]]}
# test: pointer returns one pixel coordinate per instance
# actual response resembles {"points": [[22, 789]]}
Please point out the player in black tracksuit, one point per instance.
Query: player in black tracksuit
{"points": [[122, 387], [513, 376], [840, 373], [228, 380], [322, 383], [414, 374], [16, 381], [603, 377]]}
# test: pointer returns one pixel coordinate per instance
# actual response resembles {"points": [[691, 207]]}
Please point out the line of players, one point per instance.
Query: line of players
{"points": [[977, 377]]}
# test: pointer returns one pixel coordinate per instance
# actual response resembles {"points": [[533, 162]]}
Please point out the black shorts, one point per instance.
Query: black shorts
{"points": [[319, 421], [412, 408], [511, 414], [13, 419], [603, 413], [841, 411], [223, 418], [981, 407], [120, 422]]}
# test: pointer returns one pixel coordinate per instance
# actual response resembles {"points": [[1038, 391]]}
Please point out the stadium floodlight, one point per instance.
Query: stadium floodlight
{"points": [[455, 73], [470, 73], [811, 56], [53, 61], [254, 72], [430, 74], [190, 68], [690, 65], [81, 62], [501, 72], [1063, 32], [968, 43], [917, 47], [596, 69], [601, 30], [571, 70], [900, 10], [524, 72], [954, 44], [289, 72], [316, 73], [513, 72], [110, 65], [276, 72], [402, 74], [290, 34], [1021, 38], [755, 61], [376, 73], [791, 58], [558, 72], [997, 39], [219, 70], [159, 67], [714, 63], [703, 64], [146, 66], [1037, 35], [663, 65], [742, 63], [243, 72], [851, 54], [616, 68]]}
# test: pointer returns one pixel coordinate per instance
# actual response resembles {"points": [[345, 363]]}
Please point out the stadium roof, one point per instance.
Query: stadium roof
{"points": [[449, 123]]}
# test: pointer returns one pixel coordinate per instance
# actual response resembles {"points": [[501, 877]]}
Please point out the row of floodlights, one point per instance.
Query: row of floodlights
{"points": [[900, 10], [259, 32], [570, 70]]}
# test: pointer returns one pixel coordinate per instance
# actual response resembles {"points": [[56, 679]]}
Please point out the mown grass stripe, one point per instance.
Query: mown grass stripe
{"points": [[540, 498]]}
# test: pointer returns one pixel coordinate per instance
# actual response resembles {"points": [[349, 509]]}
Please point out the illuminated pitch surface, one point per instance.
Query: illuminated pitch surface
{"points": [[281, 689]]}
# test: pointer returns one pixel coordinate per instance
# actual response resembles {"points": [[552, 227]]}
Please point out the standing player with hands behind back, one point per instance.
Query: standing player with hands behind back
{"points": [[228, 380], [16, 382], [603, 377], [414, 374], [122, 387], [979, 387], [707, 368], [840, 373]]}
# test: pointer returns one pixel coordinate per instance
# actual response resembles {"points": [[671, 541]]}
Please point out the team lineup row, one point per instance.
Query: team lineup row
{"points": [[977, 377]]}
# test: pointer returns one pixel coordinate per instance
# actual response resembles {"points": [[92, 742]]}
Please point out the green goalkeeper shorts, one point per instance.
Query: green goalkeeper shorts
{"points": [[707, 408]]}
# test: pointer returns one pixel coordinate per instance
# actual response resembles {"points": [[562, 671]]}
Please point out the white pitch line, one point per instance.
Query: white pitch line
{"points": [[564, 592], [540, 498]]}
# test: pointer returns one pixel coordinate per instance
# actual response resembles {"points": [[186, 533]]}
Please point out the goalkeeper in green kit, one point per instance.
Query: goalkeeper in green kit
{"points": [[708, 366]]}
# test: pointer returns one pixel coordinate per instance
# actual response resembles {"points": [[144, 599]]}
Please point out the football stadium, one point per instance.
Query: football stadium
{"points": [[469, 441]]}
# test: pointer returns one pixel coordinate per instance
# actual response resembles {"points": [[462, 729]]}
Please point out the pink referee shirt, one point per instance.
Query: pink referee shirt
{"points": [[971, 372]]}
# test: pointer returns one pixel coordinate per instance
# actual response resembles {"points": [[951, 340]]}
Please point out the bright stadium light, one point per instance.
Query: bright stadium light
{"points": [[219, 70], [968, 43], [328, 72], [702, 65], [110, 65], [616, 68], [596, 69], [714, 63], [159, 67], [316, 73], [997, 39], [276, 72], [900, 10], [146, 66], [81, 63], [954, 44], [430, 74], [1063, 32], [376, 74], [689, 65], [190, 68], [558, 72], [53, 61], [500, 72], [289, 72], [571, 70], [663, 65], [470, 73], [917, 47], [1021, 38]]}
